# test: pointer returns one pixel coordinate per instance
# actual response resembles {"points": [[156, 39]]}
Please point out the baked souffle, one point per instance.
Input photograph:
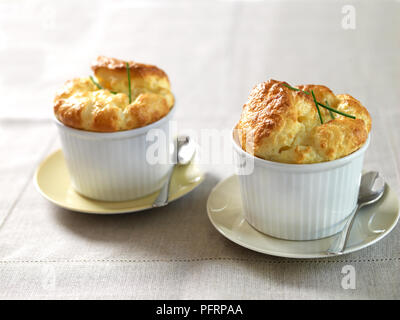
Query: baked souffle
{"points": [[123, 95], [301, 124]]}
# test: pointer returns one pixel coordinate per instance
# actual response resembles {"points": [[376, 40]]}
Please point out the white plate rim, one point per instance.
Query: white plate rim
{"points": [[292, 255]]}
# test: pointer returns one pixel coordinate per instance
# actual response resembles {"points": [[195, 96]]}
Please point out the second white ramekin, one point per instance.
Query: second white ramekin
{"points": [[298, 201], [113, 166]]}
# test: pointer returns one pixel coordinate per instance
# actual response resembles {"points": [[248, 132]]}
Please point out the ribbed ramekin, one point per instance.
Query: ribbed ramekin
{"points": [[298, 201], [113, 166]]}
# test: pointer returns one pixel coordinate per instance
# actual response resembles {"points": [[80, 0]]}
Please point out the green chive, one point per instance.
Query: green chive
{"points": [[336, 111], [330, 112], [316, 104], [99, 86], [96, 84], [293, 88], [322, 105], [128, 70]]}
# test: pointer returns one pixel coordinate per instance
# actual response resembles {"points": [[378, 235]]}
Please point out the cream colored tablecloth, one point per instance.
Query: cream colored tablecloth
{"points": [[214, 52]]}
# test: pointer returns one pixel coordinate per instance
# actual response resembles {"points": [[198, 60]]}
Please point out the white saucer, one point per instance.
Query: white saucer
{"points": [[53, 182], [224, 209]]}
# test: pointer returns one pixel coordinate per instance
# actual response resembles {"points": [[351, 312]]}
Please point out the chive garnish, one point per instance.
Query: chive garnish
{"points": [[293, 88], [330, 112], [316, 104], [99, 86], [320, 104], [128, 70], [336, 111], [95, 83]]}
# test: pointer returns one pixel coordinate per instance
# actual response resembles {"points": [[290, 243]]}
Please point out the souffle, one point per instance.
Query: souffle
{"points": [[123, 95], [301, 124]]}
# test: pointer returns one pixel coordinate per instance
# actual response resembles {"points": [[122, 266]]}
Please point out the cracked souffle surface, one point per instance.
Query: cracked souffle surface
{"points": [[281, 124], [102, 104]]}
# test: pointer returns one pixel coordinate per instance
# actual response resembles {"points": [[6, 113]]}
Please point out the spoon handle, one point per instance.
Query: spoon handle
{"points": [[162, 199], [340, 241]]}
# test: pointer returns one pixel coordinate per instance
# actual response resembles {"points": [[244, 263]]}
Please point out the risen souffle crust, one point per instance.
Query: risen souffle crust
{"points": [[82, 105], [280, 124]]}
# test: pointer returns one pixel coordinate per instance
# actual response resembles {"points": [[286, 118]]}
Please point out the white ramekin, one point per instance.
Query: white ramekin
{"points": [[298, 201], [113, 166]]}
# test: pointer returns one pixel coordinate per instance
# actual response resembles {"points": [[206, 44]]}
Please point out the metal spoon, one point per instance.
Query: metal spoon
{"points": [[372, 188], [184, 154]]}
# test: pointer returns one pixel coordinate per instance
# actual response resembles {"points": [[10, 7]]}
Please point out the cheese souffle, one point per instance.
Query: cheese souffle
{"points": [[123, 95], [301, 124]]}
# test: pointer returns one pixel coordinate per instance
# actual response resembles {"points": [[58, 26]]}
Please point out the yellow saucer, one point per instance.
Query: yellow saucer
{"points": [[53, 182]]}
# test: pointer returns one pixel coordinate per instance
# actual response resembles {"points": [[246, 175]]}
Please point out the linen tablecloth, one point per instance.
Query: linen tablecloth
{"points": [[214, 52]]}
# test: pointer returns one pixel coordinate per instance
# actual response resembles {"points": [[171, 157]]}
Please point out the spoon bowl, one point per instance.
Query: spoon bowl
{"points": [[372, 188], [185, 150]]}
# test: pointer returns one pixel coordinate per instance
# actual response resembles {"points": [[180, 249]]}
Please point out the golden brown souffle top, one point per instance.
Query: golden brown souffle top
{"points": [[281, 124], [82, 105]]}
